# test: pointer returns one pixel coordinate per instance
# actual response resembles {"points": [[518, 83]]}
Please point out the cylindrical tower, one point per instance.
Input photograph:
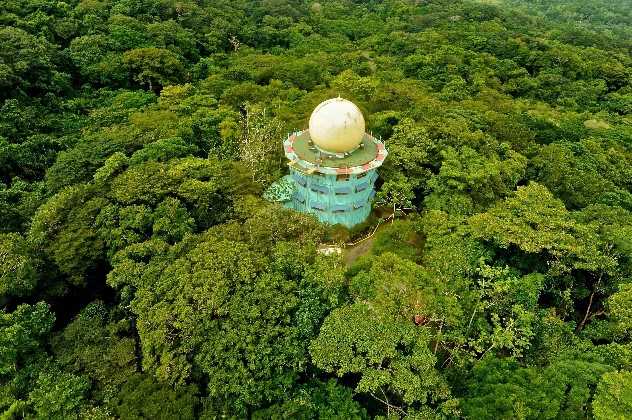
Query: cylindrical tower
{"points": [[333, 165]]}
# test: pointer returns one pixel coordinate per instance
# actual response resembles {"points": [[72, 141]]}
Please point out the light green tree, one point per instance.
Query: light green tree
{"points": [[613, 398]]}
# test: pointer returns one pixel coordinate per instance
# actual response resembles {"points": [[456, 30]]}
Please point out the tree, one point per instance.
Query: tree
{"points": [[316, 400], [234, 305], [620, 306], [396, 193], [392, 357], [18, 203], [155, 67], [259, 145], [143, 397], [410, 152], [387, 336], [613, 399], [469, 181], [539, 222], [572, 246], [129, 204], [502, 389], [98, 347], [18, 270], [58, 395], [583, 173], [28, 65], [61, 229], [23, 335], [96, 59]]}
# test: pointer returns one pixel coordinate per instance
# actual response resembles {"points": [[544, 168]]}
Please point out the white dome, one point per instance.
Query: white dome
{"points": [[336, 126]]}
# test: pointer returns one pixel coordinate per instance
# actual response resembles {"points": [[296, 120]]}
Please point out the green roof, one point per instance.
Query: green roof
{"points": [[358, 157]]}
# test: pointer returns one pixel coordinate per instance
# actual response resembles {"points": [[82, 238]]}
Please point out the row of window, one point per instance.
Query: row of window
{"points": [[320, 208], [341, 177], [335, 208], [338, 190], [347, 177]]}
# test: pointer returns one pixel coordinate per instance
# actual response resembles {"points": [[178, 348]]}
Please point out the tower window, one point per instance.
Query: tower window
{"points": [[319, 188], [318, 206], [343, 190], [343, 177], [299, 179]]}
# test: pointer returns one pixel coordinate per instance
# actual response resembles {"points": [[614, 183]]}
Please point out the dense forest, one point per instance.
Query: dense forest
{"points": [[142, 274]]}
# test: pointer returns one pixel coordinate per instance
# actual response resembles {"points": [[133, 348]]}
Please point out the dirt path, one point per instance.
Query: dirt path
{"points": [[354, 252]]}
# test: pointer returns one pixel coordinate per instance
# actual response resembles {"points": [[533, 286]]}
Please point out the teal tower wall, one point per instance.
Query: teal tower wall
{"points": [[334, 199], [336, 189]]}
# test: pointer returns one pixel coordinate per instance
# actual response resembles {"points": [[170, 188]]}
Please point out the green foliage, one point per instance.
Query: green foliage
{"points": [[92, 347], [541, 223], [620, 306], [18, 203], [396, 193], [246, 332], [153, 66], [28, 65], [281, 190], [23, 334], [59, 229], [469, 182], [136, 138], [386, 336], [613, 398], [410, 149], [399, 237], [143, 397], [388, 354], [584, 173], [18, 271], [165, 200], [58, 395], [323, 400], [163, 150], [501, 389]]}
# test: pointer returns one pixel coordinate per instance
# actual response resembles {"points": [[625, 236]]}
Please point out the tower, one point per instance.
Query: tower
{"points": [[333, 165]]}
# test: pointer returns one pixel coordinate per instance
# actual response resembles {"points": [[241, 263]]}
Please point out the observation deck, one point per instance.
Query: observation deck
{"points": [[306, 157]]}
